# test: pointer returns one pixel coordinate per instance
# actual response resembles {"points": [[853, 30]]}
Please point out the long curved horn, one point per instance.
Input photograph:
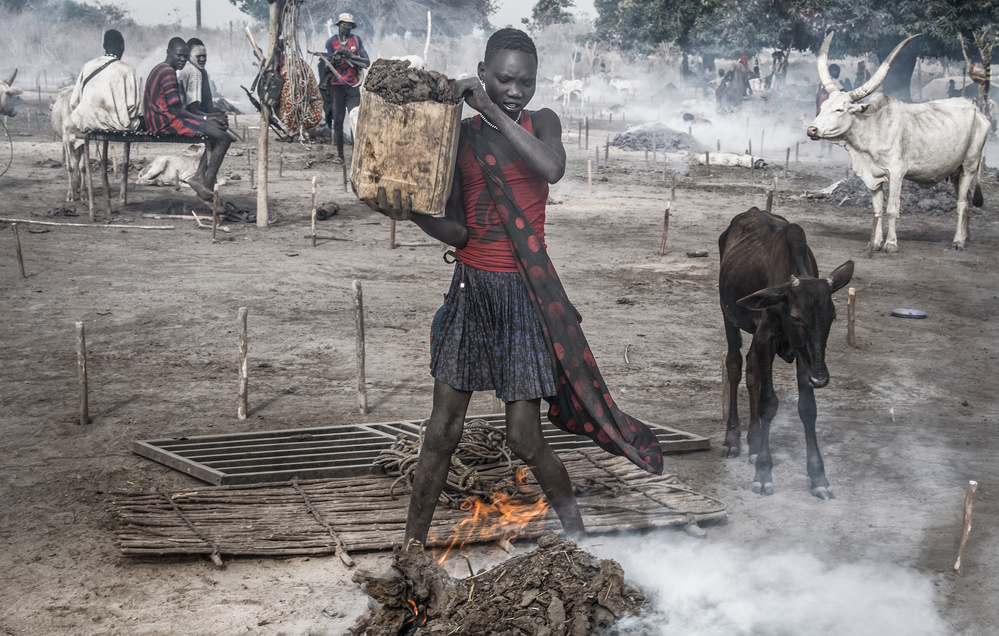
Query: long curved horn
{"points": [[879, 76], [10, 80], [824, 77]]}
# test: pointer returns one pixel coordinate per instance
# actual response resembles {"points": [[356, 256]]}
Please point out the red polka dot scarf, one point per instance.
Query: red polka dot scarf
{"points": [[582, 405]]}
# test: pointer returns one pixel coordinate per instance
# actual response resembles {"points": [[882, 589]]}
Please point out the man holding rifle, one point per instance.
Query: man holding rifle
{"points": [[340, 79]]}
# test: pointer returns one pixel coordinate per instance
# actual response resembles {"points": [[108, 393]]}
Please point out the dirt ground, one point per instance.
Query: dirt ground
{"points": [[907, 419]]}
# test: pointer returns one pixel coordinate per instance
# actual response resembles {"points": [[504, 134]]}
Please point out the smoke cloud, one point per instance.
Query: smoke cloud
{"points": [[701, 588]]}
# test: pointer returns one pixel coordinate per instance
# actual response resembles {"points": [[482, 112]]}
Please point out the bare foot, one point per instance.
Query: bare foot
{"points": [[199, 188]]}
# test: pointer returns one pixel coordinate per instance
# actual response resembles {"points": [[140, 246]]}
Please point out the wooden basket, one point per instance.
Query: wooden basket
{"points": [[412, 147]]}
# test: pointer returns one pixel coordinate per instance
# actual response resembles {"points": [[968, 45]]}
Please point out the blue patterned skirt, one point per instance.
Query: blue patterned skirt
{"points": [[488, 337]]}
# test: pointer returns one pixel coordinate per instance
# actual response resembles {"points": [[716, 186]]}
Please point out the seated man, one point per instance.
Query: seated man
{"points": [[195, 89], [164, 113], [106, 95]]}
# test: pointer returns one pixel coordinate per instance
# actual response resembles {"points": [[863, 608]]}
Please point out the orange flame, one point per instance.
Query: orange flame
{"points": [[501, 518]]}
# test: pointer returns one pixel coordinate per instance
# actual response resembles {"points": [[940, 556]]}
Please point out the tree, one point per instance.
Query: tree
{"points": [[378, 17], [548, 12], [100, 14]]}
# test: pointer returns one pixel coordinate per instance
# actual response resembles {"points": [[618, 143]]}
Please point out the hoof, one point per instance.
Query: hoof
{"points": [[958, 246], [763, 489], [823, 493], [889, 249], [729, 451]]}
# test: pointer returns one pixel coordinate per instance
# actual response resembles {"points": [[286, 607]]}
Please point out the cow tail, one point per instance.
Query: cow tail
{"points": [[977, 200]]}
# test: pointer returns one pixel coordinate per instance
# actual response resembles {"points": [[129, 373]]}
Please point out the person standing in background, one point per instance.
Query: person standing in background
{"points": [[345, 53]]}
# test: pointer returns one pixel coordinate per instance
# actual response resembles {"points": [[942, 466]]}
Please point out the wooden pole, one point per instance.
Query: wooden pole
{"points": [[90, 177], [276, 11], [672, 191], [313, 211], [665, 163], [586, 121], [589, 177], [770, 201], [763, 134], [662, 246], [607, 149], [597, 164], [969, 504], [81, 367], [392, 235], [215, 209], [253, 186], [750, 147], [281, 164], [718, 147], [787, 161], [114, 162], [241, 408], [796, 145], [17, 248], [707, 161], [362, 394], [579, 137], [344, 167], [851, 317]]}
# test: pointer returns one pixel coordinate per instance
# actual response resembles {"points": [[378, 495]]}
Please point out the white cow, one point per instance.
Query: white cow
{"points": [[7, 94], [889, 140], [172, 170], [72, 146], [566, 90], [626, 88]]}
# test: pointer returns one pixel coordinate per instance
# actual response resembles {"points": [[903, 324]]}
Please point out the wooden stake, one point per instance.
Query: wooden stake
{"points": [[392, 235], [215, 209], [586, 121], [787, 160], [81, 367], [362, 394], [607, 149], [597, 164], [241, 408], [579, 137], [770, 201], [750, 147], [662, 246], [589, 176], [252, 184], [281, 164], [313, 211], [17, 248], [665, 163], [707, 161], [762, 136], [796, 144], [345, 189], [969, 504], [672, 192], [718, 147], [851, 317]]}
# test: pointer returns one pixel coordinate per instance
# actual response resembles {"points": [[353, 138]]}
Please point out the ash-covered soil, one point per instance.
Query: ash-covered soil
{"points": [[907, 419]]}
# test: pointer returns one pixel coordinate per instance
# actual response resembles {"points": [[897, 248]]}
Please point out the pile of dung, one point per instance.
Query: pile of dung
{"points": [[558, 589], [938, 199], [397, 83], [665, 139]]}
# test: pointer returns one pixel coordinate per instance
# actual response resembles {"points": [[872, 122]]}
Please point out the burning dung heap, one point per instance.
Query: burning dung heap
{"points": [[666, 139], [937, 199], [397, 83], [557, 589]]}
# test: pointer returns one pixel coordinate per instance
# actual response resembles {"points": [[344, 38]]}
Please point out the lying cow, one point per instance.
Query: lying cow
{"points": [[7, 94], [172, 170], [731, 160], [889, 140], [770, 287]]}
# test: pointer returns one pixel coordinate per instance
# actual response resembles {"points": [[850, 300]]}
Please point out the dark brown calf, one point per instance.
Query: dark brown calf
{"points": [[769, 287]]}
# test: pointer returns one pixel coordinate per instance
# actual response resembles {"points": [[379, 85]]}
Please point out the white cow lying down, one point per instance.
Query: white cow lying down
{"points": [[172, 170], [731, 160]]}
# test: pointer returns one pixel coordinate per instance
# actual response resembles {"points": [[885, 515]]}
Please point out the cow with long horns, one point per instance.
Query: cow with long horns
{"points": [[889, 140], [7, 93]]}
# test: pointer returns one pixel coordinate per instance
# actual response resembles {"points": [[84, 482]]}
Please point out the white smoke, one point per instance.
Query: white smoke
{"points": [[701, 588]]}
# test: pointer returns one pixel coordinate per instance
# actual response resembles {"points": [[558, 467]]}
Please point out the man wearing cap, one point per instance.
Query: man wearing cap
{"points": [[347, 56]]}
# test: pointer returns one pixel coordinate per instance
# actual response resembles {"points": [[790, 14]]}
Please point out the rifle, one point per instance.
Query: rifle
{"points": [[274, 123]]}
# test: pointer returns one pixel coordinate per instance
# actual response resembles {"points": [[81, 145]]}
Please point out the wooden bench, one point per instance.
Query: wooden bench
{"points": [[127, 138]]}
